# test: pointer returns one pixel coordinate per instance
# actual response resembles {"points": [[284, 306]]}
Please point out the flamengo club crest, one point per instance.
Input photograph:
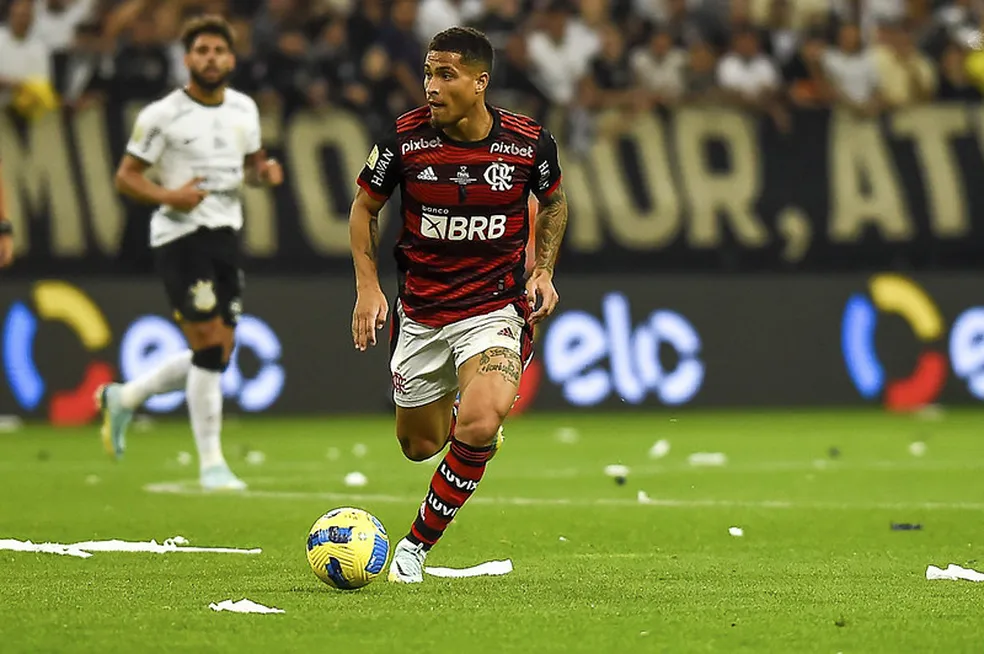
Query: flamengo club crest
{"points": [[499, 176]]}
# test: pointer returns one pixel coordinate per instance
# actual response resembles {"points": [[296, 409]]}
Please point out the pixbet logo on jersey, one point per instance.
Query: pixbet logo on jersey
{"points": [[511, 149], [902, 296], [145, 342], [413, 145]]}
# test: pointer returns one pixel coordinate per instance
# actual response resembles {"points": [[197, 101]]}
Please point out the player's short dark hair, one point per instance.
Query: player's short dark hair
{"points": [[208, 24], [473, 46]]}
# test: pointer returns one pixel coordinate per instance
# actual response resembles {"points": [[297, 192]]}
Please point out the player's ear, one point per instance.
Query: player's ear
{"points": [[481, 83]]}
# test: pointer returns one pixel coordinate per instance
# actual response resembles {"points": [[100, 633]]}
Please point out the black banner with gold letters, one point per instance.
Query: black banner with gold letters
{"points": [[699, 189]]}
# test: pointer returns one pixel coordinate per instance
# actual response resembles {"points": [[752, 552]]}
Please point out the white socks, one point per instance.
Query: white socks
{"points": [[170, 376], [204, 397], [203, 390]]}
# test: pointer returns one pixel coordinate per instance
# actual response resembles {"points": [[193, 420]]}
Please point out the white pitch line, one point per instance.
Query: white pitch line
{"points": [[190, 488]]}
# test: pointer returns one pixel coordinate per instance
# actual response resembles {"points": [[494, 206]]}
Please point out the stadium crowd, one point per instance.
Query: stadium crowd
{"points": [[575, 56]]}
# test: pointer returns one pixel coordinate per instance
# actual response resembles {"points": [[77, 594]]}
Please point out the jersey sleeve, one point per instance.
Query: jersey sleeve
{"points": [[381, 174], [254, 139], [147, 140], [546, 172]]}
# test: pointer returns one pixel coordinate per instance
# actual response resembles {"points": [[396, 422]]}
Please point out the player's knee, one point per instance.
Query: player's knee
{"points": [[205, 334], [210, 358], [478, 428], [417, 449]]}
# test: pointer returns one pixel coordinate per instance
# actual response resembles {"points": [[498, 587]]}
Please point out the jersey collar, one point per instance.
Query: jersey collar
{"points": [[200, 103]]}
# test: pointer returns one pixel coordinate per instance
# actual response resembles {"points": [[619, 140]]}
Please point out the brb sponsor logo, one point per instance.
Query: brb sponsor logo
{"points": [[577, 344], [145, 343], [902, 296], [462, 228]]}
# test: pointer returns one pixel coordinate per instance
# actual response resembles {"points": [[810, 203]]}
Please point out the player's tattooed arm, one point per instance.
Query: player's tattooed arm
{"points": [[372, 248], [551, 223], [503, 361], [370, 304]]}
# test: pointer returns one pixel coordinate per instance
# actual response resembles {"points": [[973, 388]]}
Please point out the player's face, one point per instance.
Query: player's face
{"points": [[452, 88], [210, 61]]}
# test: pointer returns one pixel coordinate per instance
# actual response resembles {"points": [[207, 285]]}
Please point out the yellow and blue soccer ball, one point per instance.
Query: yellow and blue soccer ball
{"points": [[347, 548]]}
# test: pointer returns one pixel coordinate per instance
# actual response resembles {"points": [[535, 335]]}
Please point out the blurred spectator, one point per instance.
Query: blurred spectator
{"points": [[905, 75], [559, 53], [251, 72], [684, 24], [659, 68], [852, 72], [289, 69], [336, 66], [804, 76], [406, 53], [434, 16], [783, 38], [659, 12], [376, 98], [750, 78], [499, 20], [141, 68], [609, 83], [365, 23], [56, 21], [955, 82], [700, 76], [24, 55], [89, 69], [273, 19], [594, 15], [869, 14], [503, 23], [745, 72]]}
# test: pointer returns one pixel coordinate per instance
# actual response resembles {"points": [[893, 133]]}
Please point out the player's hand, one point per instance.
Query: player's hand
{"points": [[188, 196], [271, 173], [6, 250], [540, 289], [370, 313]]}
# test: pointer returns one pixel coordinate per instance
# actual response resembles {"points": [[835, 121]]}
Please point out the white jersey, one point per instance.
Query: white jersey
{"points": [[186, 139]]}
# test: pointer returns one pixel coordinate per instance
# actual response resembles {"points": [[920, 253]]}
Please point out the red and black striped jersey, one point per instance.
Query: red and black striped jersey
{"points": [[461, 249]]}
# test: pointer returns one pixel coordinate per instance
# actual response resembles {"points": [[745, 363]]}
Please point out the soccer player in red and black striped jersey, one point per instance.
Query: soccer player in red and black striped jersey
{"points": [[463, 319]]}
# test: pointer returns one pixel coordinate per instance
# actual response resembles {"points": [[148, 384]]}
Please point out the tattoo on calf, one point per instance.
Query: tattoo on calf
{"points": [[503, 361]]}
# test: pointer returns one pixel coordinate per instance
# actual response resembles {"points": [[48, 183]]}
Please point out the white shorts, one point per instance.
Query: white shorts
{"points": [[425, 360]]}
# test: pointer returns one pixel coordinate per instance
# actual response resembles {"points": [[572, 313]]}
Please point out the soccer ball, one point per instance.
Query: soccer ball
{"points": [[347, 548]]}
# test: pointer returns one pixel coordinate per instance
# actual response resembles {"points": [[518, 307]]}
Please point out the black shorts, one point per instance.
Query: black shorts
{"points": [[202, 275]]}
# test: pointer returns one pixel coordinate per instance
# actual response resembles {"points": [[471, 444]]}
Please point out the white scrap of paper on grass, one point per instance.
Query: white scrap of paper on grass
{"points": [[243, 606], [487, 569], [84, 549], [953, 573]]}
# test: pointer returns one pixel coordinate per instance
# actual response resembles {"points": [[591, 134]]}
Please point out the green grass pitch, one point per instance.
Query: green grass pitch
{"points": [[817, 570]]}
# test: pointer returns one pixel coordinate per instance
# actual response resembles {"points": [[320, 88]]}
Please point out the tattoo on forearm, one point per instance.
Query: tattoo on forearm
{"points": [[373, 248], [503, 361], [551, 222]]}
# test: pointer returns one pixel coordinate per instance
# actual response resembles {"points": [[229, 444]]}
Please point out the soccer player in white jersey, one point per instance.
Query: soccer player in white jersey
{"points": [[204, 140]]}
